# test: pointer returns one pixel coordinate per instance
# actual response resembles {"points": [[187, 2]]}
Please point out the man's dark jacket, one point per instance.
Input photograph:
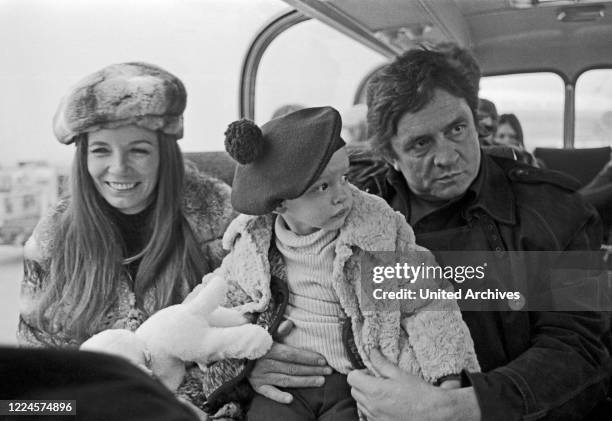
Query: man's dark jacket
{"points": [[537, 364]]}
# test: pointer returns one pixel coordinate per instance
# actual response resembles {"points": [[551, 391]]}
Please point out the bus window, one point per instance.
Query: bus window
{"points": [[537, 99], [197, 40], [594, 109], [311, 65], [47, 46]]}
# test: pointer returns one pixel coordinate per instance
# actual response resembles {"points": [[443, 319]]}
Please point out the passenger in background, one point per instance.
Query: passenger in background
{"points": [[138, 231], [487, 121], [510, 133], [599, 194]]}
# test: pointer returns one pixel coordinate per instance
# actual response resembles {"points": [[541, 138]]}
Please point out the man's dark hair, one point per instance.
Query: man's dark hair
{"points": [[408, 85], [460, 58]]}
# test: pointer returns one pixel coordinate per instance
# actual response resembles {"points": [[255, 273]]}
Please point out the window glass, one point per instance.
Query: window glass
{"points": [[537, 99], [594, 109], [311, 65], [47, 46]]}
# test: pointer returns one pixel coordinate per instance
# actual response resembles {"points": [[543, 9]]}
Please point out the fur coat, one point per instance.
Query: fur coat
{"points": [[207, 209], [425, 337]]}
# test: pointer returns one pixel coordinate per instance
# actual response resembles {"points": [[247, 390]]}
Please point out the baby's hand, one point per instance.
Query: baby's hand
{"points": [[450, 384]]}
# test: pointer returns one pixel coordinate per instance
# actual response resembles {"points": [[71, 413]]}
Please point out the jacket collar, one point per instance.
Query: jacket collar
{"points": [[490, 192], [370, 226], [359, 230]]}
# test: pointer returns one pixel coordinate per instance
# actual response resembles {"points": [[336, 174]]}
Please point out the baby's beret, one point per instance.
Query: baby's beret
{"points": [[282, 159], [121, 94]]}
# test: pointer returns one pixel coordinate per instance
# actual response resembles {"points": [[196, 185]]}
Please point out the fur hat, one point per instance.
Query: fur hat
{"points": [[282, 159], [122, 94]]}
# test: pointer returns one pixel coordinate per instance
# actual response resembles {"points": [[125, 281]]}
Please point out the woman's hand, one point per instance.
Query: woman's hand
{"points": [[286, 366]]}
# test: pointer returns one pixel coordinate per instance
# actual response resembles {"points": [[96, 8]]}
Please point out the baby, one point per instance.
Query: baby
{"points": [[295, 254]]}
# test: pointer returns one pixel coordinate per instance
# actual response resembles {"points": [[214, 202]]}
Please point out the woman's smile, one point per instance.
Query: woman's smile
{"points": [[121, 187]]}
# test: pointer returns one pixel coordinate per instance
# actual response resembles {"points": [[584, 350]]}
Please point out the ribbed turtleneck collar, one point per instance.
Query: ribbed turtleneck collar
{"points": [[310, 243]]}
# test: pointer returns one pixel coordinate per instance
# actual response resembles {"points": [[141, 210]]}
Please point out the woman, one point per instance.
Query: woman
{"points": [[138, 231], [509, 131]]}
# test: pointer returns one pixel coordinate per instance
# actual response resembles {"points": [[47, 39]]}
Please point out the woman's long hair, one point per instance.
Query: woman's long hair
{"points": [[87, 265], [513, 121]]}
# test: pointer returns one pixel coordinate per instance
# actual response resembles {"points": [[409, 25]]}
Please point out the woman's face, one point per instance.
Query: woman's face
{"points": [[506, 135], [124, 163]]}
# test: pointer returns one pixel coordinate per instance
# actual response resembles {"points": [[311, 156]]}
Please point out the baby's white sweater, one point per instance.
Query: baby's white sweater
{"points": [[313, 305]]}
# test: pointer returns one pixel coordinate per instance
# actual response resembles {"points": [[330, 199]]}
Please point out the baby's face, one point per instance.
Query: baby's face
{"points": [[326, 203]]}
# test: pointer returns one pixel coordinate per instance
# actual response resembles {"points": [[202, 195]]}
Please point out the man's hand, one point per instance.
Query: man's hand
{"points": [[397, 395], [286, 366]]}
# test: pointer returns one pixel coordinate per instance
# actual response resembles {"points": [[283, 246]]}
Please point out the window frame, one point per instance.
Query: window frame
{"points": [[287, 20], [574, 82]]}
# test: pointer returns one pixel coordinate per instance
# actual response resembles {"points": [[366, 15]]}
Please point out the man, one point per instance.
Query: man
{"points": [[422, 114], [487, 121]]}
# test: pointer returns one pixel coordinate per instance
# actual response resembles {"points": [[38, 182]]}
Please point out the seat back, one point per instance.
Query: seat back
{"points": [[216, 163], [582, 164]]}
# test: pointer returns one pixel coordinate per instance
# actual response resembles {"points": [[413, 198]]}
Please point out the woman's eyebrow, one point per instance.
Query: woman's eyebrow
{"points": [[98, 143], [148, 142]]}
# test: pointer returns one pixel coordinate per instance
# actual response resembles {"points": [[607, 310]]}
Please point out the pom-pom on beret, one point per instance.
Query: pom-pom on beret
{"points": [[283, 159], [243, 141], [121, 94]]}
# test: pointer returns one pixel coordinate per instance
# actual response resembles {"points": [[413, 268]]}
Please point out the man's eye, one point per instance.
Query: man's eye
{"points": [[458, 129], [420, 143], [323, 187]]}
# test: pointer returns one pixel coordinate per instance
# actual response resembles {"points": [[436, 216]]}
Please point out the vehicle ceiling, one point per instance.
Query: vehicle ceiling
{"points": [[503, 38]]}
